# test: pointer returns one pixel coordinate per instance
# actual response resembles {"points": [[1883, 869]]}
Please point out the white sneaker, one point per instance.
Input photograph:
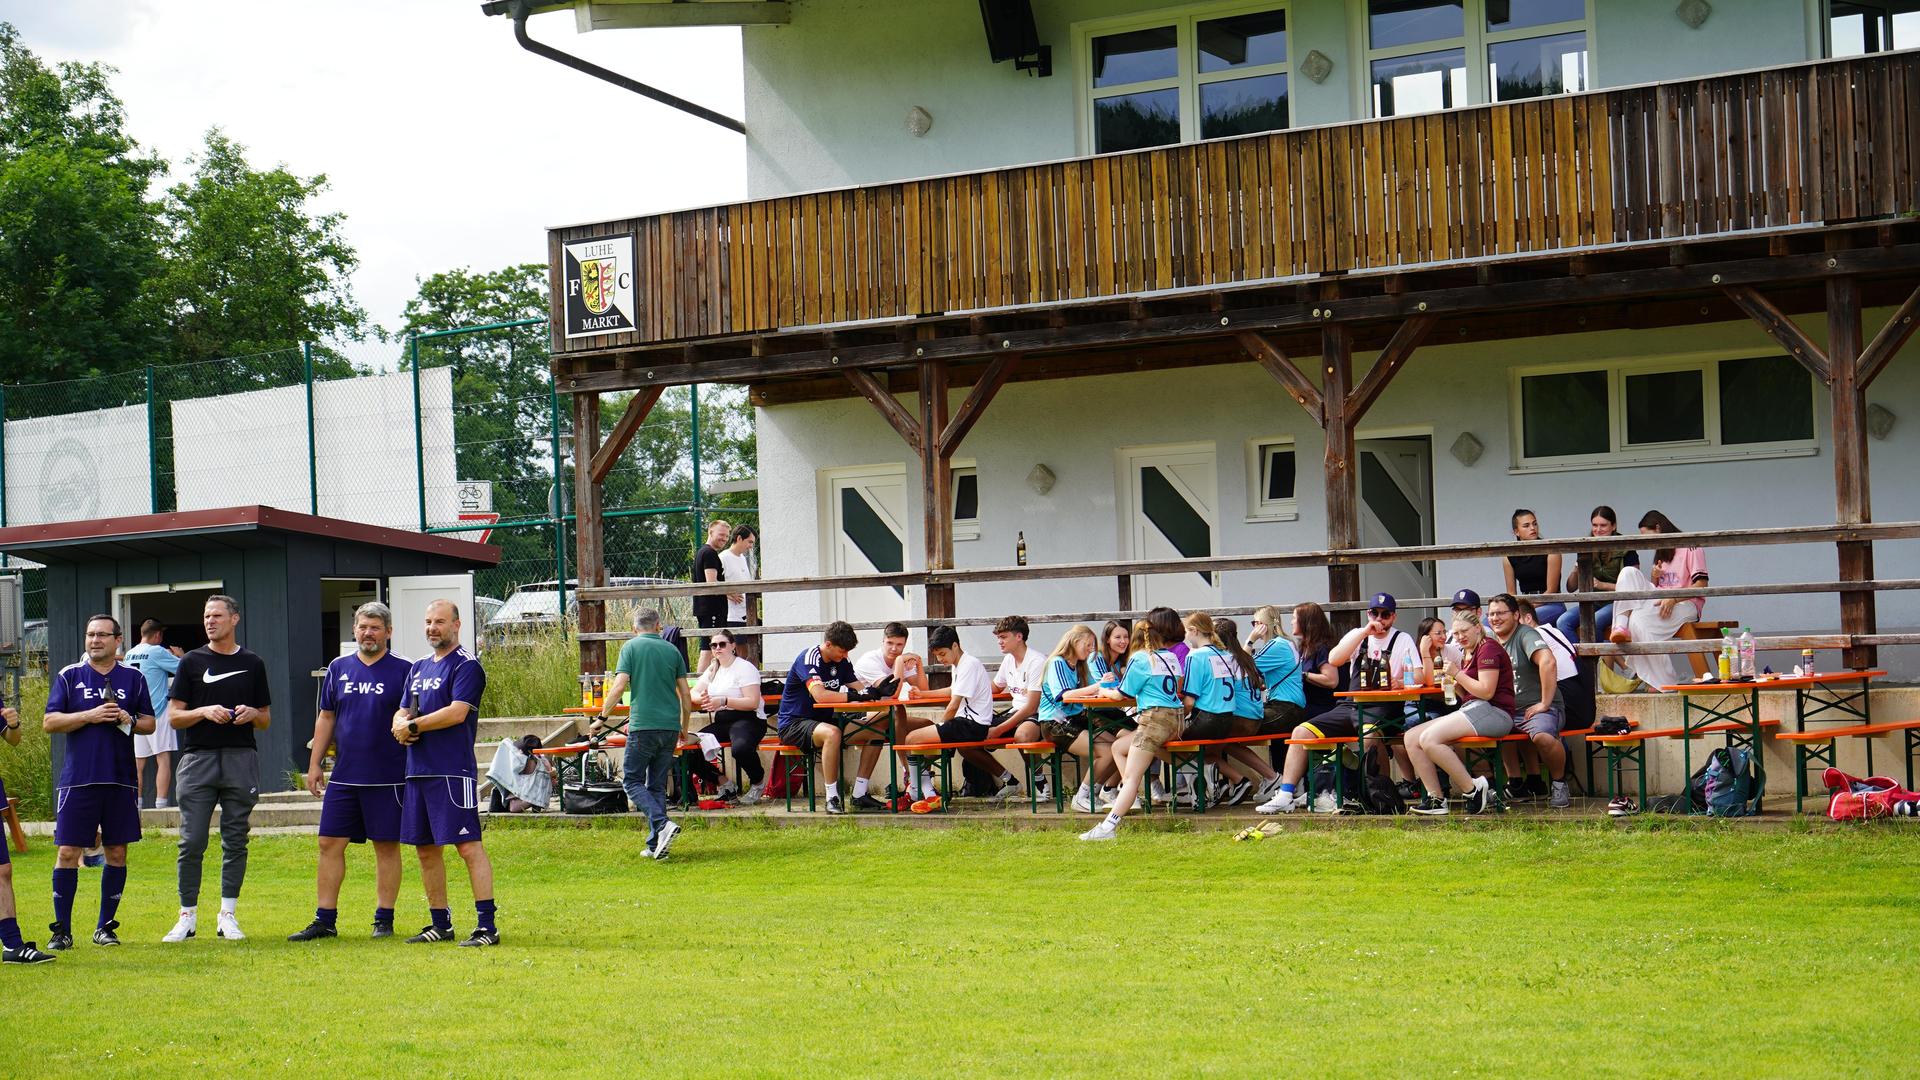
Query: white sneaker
{"points": [[754, 795], [727, 791], [1283, 802], [1009, 788], [1108, 796], [1326, 803], [162, 804], [1083, 800], [228, 926], [1103, 831], [185, 928], [664, 839], [1158, 789]]}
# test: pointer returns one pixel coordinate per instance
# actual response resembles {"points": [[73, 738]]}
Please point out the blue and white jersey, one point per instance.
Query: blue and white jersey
{"points": [[98, 753], [1279, 664], [796, 701], [363, 699], [1153, 680], [439, 683], [1061, 677], [1214, 680]]}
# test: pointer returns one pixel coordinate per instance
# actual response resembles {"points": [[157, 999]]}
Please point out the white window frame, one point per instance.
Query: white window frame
{"points": [[1620, 454], [1187, 78], [1473, 43], [1259, 507], [964, 528], [1821, 14]]}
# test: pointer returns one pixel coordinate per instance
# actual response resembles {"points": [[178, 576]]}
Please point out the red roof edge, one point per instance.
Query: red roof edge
{"points": [[230, 518]]}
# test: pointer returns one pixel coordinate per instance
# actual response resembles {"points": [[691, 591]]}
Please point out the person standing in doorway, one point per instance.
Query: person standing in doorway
{"points": [[159, 664], [710, 611], [656, 673], [219, 699], [362, 800], [438, 723]]}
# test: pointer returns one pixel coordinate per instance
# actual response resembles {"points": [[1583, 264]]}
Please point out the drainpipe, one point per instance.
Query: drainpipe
{"points": [[523, 8]]}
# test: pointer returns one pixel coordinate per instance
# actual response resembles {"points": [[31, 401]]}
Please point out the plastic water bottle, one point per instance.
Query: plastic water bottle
{"points": [[1726, 656], [1746, 653]]}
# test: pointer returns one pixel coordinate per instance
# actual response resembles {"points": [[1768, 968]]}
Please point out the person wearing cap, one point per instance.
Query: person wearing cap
{"points": [[1466, 604], [1376, 639]]}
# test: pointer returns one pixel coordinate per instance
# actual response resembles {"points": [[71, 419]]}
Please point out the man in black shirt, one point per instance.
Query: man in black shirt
{"points": [[219, 698], [710, 611]]}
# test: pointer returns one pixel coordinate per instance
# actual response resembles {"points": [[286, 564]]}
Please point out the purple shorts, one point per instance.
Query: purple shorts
{"points": [[440, 810], [110, 809], [361, 812]]}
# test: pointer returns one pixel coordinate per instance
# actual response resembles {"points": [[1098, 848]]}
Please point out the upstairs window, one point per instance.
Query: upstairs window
{"points": [[1859, 27], [1210, 74], [1429, 55]]}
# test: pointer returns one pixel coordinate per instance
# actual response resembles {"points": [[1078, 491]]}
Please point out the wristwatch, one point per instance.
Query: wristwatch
{"points": [[413, 727]]}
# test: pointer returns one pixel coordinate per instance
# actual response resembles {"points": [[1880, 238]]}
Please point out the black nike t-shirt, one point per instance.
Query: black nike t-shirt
{"points": [[713, 607], [212, 678]]}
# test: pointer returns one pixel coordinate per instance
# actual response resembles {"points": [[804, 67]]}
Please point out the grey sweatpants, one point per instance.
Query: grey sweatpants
{"points": [[203, 778]]}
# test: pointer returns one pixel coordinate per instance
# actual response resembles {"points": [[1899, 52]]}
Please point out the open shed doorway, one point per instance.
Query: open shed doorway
{"points": [[339, 598], [178, 606]]}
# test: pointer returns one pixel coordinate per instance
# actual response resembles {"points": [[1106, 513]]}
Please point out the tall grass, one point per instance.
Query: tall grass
{"points": [[535, 676], [27, 769]]}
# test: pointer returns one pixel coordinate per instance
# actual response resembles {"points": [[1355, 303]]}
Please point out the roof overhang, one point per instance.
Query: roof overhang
{"points": [[225, 529]]}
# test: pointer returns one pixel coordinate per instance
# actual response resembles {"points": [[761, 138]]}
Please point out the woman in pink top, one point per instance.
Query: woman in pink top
{"points": [[1660, 620]]}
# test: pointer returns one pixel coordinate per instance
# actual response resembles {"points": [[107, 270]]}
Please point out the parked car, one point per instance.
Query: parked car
{"points": [[533, 609]]}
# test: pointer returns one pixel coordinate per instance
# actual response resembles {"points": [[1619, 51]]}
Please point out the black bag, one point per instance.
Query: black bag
{"points": [[1611, 725], [1351, 790], [593, 797], [1381, 797]]}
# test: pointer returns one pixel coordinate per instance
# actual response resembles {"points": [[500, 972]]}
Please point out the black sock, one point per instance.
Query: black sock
{"points": [[483, 914], [442, 918]]}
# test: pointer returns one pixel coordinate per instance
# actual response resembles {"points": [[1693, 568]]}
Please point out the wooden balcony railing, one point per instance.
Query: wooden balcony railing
{"points": [[1824, 142]]}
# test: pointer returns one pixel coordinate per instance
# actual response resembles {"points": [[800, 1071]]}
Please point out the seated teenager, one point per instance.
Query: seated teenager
{"points": [[966, 719], [885, 671], [1215, 679], [1284, 704], [1536, 707], [1249, 710], [1061, 722], [1375, 640], [1576, 679], [1660, 620], [1153, 681], [1022, 670], [1531, 575], [819, 679], [1606, 566], [729, 689], [1485, 681]]}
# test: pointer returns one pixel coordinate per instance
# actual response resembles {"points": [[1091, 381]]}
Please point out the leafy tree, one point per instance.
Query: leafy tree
{"points": [[78, 235], [250, 267]]}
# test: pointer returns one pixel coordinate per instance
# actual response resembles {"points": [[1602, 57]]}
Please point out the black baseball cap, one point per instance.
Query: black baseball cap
{"points": [[1466, 598], [1383, 602]]}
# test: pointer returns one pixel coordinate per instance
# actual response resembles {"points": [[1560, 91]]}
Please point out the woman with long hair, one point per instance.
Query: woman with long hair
{"points": [[1606, 566], [1530, 575], [1153, 681], [1061, 722], [1659, 620]]}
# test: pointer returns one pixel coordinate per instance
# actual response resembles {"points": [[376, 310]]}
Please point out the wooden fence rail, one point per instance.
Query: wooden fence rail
{"points": [[1821, 142]]}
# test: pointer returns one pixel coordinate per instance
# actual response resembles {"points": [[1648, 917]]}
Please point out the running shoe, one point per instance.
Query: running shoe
{"points": [[663, 839], [1009, 788], [228, 926], [1429, 807], [926, 806], [58, 939], [1236, 792], [104, 935], [1283, 802], [1268, 788], [431, 934], [1518, 792], [186, 927], [1103, 831], [1481, 798], [481, 939], [27, 953], [868, 802], [752, 796], [833, 806], [1409, 791], [1562, 796], [1083, 800], [382, 929], [1622, 807], [315, 931]]}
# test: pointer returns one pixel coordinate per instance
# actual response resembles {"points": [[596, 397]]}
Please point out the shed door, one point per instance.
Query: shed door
{"points": [[409, 597]]}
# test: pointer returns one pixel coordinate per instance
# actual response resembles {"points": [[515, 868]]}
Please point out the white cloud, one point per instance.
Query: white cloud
{"points": [[447, 144]]}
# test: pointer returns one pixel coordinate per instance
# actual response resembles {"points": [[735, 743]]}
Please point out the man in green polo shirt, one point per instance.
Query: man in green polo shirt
{"points": [[655, 671]]}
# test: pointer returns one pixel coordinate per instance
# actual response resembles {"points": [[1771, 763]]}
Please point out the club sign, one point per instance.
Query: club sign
{"points": [[599, 285]]}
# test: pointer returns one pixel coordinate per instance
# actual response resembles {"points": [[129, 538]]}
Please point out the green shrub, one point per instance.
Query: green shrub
{"points": [[27, 769], [537, 676]]}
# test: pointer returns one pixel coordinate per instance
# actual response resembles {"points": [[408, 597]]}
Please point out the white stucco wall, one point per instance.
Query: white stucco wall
{"points": [[828, 94], [1444, 389]]}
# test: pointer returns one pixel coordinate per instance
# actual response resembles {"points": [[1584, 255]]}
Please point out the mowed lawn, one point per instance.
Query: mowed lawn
{"points": [[838, 950]]}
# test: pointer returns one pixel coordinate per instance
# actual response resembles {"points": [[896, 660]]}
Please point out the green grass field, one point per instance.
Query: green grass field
{"points": [[1504, 949]]}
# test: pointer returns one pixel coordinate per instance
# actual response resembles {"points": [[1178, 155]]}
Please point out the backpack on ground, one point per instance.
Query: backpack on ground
{"points": [[1863, 798], [596, 791], [1381, 797], [1691, 801], [1732, 788]]}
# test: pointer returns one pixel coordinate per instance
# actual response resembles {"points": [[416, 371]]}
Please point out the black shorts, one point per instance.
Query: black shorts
{"points": [[1210, 725], [1281, 717], [961, 729], [709, 620], [799, 733], [1336, 723]]}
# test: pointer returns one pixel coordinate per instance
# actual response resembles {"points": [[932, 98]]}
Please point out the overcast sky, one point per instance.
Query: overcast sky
{"points": [[446, 144]]}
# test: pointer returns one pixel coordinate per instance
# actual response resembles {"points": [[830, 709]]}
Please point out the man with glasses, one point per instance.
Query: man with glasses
{"points": [[1536, 713], [1378, 640]]}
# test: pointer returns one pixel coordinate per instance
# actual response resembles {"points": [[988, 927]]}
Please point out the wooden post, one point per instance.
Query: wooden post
{"points": [[936, 485], [1852, 492], [589, 539], [1343, 521]]}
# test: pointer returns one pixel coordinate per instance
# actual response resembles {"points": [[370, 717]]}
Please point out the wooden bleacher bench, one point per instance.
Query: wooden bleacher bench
{"points": [[1702, 631], [1807, 749]]}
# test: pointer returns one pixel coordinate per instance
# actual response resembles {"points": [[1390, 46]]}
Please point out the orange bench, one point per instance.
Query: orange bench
{"points": [[1326, 750], [1806, 748], [1192, 754], [945, 752], [1632, 747]]}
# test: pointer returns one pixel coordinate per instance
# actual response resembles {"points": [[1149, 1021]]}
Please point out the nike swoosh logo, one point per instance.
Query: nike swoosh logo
{"points": [[210, 677]]}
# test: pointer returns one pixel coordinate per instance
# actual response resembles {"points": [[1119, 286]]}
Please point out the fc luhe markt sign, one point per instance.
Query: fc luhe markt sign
{"points": [[599, 285]]}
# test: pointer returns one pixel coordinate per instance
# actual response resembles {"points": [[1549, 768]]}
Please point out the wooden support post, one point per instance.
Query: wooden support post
{"points": [[976, 403], [1125, 582], [1852, 492], [1343, 521], [889, 407], [1889, 340], [936, 485], [1281, 367], [589, 539]]}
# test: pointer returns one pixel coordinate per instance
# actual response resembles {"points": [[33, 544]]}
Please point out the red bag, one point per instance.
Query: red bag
{"points": [[1880, 797]]}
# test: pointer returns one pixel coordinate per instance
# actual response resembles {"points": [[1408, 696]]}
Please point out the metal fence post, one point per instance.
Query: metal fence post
{"points": [[153, 450], [419, 436], [699, 517], [3, 456], [558, 502], [313, 453]]}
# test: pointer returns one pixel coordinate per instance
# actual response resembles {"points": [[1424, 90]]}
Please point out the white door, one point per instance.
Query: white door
{"points": [[1168, 510], [1396, 510], [865, 515], [409, 597]]}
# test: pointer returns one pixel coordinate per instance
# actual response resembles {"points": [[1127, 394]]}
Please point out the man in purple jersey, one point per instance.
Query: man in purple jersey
{"points": [[437, 724], [361, 801], [98, 704], [13, 950]]}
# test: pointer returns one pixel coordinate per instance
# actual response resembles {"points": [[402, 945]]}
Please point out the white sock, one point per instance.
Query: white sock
{"points": [[1006, 777], [228, 904], [859, 786], [833, 790], [1113, 818], [190, 912]]}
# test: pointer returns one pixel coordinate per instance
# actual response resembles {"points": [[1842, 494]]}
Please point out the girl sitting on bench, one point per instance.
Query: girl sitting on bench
{"points": [[1153, 681]]}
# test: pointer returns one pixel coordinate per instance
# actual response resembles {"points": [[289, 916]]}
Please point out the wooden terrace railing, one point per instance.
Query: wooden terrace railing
{"points": [[1805, 144]]}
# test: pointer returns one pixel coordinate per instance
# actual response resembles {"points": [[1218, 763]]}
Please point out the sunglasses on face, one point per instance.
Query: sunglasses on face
{"points": [[1380, 614]]}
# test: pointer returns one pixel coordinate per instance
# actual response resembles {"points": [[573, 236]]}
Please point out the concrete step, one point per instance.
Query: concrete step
{"points": [[269, 812]]}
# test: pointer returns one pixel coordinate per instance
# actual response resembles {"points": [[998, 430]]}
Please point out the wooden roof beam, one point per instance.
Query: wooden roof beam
{"points": [[623, 432], [1874, 358], [976, 403], [888, 406], [1783, 330], [1406, 338], [1278, 364]]}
